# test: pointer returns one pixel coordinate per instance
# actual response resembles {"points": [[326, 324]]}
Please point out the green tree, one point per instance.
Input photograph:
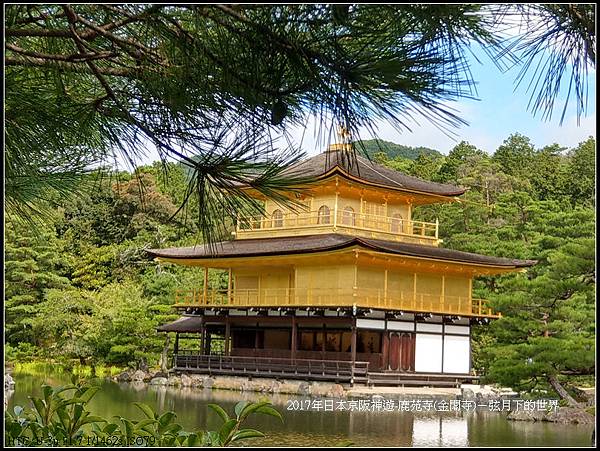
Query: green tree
{"points": [[456, 157], [582, 173], [114, 325], [515, 156], [426, 166], [549, 173], [33, 264], [482, 174], [392, 150], [548, 330]]}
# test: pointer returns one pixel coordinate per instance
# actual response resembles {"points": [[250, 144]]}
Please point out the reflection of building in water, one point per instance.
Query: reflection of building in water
{"points": [[390, 428], [440, 431]]}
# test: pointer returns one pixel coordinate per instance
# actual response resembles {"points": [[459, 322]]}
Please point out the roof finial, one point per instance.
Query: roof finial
{"points": [[344, 140], [344, 134]]}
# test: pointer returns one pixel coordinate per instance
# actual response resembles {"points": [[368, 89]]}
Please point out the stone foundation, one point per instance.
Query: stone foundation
{"points": [[316, 389]]}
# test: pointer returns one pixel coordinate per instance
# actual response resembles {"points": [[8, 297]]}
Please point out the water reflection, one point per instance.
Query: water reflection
{"points": [[311, 428], [440, 431]]}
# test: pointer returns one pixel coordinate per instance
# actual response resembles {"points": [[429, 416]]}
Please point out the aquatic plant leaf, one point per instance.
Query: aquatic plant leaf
{"points": [[146, 409], [239, 407], [192, 440], [213, 438], [269, 410], [146, 422], [253, 407], [110, 428], [246, 433], [220, 411], [166, 418], [89, 393]]}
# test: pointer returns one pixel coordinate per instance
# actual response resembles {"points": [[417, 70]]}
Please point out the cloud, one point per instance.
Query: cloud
{"points": [[570, 134]]}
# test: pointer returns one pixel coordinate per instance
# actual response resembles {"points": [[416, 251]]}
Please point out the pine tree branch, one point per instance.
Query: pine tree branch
{"points": [[110, 93], [74, 58], [132, 72], [122, 42], [87, 35]]}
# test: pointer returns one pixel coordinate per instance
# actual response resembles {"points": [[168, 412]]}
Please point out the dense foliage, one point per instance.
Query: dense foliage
{"points": [[83, 288], [372, 147]]}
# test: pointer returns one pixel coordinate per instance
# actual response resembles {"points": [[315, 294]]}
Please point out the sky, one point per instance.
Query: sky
{"points": [[500, 111]]}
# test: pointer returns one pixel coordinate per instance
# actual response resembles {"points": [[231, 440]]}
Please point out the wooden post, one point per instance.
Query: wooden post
{"points": [[385, 349], [335, 209], [294, 338], [229, 285], [205, 290], [227, 336], [353, 348], [323, 345], [415, 288], [443, 299], [385, 288], [255, 339], [208, 340], [176, 349], [202, 339], [470, 298]]}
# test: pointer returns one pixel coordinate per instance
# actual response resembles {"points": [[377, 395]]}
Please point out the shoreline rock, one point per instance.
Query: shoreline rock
{"points": [[9, 382], [311, 388], [564, 415]]}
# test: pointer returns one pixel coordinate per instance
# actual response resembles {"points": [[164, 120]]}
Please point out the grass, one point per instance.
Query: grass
{"points": [[38, 368]]}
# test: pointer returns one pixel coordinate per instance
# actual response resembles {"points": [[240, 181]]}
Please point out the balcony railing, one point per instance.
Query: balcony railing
{"points": [[331, 297], [338, 370], [390, 227]]}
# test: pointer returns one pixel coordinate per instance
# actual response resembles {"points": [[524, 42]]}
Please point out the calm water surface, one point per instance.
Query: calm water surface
{"points": [[318, 428]]}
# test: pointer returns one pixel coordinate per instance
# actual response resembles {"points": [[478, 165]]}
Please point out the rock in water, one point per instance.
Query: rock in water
{"points": [[124, 377], [9, 382], [139, 375], [159, 381]]}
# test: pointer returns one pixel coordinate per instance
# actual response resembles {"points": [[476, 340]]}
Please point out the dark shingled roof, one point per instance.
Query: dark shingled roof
{"points": [[183, 324], [369, 171], [321, 243]]}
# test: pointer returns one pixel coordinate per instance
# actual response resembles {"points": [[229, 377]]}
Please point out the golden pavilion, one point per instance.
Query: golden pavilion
{"points": [[351, 289]]}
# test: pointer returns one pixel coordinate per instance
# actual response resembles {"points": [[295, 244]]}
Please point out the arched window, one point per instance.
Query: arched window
{"points": [[323, 217], [349, 217], [397, 226], [277, 218]]}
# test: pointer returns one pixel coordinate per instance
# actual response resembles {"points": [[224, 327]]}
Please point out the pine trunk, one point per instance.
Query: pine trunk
{"points": [[164, 355], [561, 391]]}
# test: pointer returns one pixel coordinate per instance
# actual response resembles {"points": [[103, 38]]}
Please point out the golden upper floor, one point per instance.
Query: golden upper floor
{"points": [[361, 284], [339, 271], [357, 198]]}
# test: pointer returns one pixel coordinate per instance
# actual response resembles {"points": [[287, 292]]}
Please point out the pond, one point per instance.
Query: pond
{"points": [[311, 428]]}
